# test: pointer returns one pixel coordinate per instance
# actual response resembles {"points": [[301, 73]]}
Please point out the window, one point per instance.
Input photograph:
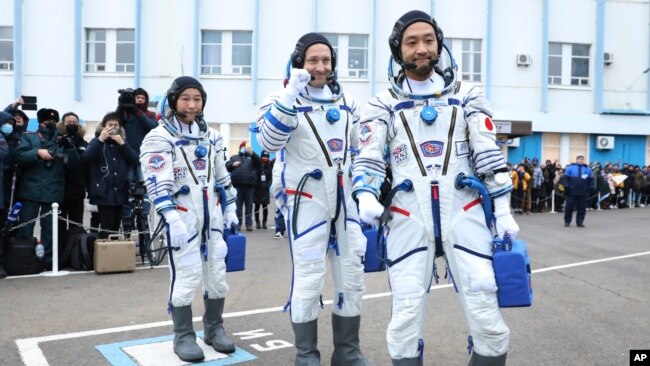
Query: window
{"points": [[110, 50], [469, 59], [6, 48], [351, 54], [226, 52], [568, 64]]}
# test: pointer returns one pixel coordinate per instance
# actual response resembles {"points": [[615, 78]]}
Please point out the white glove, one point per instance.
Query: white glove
{"points": [[230, 216], [297, 81], [505, 223], [178, 235], [369, 208]]}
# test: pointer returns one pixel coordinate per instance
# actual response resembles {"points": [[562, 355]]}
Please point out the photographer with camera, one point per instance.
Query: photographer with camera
{"points": [[43, 157], [136, 121], [108, 158]]}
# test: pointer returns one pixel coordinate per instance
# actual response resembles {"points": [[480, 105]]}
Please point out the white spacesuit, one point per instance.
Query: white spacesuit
{"points": [[434, 129], [182, 163], [314, 130]]}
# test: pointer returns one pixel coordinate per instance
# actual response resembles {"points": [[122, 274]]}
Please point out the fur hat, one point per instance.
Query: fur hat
{"points": [[46, 114]]}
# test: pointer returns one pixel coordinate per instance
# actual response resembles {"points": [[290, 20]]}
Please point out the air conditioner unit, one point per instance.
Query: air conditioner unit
{"points": [[513, 142], [604, 142], [608, 57], [523, 59]]}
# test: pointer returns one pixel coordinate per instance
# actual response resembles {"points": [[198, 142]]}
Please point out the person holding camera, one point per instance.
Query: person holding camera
{"points": [[43, 158], [6, 127], [137, 121], [108, 158]]}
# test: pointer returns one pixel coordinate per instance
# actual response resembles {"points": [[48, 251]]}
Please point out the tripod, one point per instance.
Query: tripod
{"points": [[152, 245]]}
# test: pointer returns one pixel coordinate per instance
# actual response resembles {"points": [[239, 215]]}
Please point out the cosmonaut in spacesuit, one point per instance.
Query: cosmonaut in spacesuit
{"points": [[182, 160], [312, 125], [434, 129]]}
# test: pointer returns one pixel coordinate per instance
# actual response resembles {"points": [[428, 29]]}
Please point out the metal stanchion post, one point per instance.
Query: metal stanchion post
{"points": [[55, 244], [598, 204], [553, 201]]}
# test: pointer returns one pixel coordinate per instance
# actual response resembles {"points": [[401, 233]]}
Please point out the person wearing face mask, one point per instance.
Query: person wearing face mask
{"points": [[43, 158], [6, 128], [437, 129], [262, 193], [72, 207], [243, 169], [20, 117]]}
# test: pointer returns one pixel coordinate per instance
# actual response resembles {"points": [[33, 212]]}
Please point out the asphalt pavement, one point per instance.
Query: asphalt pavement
{"points": [[591, 305]]}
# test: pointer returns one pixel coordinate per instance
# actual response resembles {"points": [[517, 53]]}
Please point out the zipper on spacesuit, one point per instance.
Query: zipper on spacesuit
{"points": [[413, 147], [341, 194], [347, 125], [435, 210], [187, 162], [320, 141], [205, 232], [450, 137], [421, 349]]}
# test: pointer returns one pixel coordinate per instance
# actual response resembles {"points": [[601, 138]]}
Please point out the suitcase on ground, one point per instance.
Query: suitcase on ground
{"points": [[114, 255], [512, 274], [371, 262], [236, 257], [20, 257]]}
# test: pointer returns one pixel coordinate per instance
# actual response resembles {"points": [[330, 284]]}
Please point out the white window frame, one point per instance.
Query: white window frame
{"points": [[466, 69], [342, 48], [567, 78], [110, 64], [8, 65], [226, 67]]}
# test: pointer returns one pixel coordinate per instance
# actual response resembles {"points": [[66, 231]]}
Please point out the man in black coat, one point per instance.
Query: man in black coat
{"points": [[243, 169], [262, 192]]}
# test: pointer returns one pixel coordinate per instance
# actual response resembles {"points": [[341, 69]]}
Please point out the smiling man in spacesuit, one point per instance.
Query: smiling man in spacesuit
{"points": [[434, 130], [312, 124], [182, 161]]}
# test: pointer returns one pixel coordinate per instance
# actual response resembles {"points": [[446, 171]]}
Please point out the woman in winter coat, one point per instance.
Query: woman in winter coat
{"points": [[108, 158]]}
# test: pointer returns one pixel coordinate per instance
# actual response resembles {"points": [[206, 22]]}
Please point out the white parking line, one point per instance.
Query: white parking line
{"points": [[33, 356]]}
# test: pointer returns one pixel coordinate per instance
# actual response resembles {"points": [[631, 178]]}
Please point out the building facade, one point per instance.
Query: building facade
{"points": [[574, 72]]}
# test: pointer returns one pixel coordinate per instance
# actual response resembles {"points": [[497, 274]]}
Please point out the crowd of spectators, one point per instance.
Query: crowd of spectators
{"points": [[615, 185], [55, 163]]}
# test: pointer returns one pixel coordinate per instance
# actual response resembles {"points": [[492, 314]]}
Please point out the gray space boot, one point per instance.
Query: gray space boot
{"points": [[306, 343], [415, 361], [213, 332], [345, 332], [184, 337], [478, 360]]}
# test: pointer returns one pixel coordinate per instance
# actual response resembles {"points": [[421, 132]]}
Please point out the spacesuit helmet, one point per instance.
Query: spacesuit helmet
{"points": [[396, 36], [306, 41], [180, 84]]}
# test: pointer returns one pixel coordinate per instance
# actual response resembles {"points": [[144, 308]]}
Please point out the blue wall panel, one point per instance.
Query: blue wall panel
{"points": [[627, 149], [529, 147]]}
